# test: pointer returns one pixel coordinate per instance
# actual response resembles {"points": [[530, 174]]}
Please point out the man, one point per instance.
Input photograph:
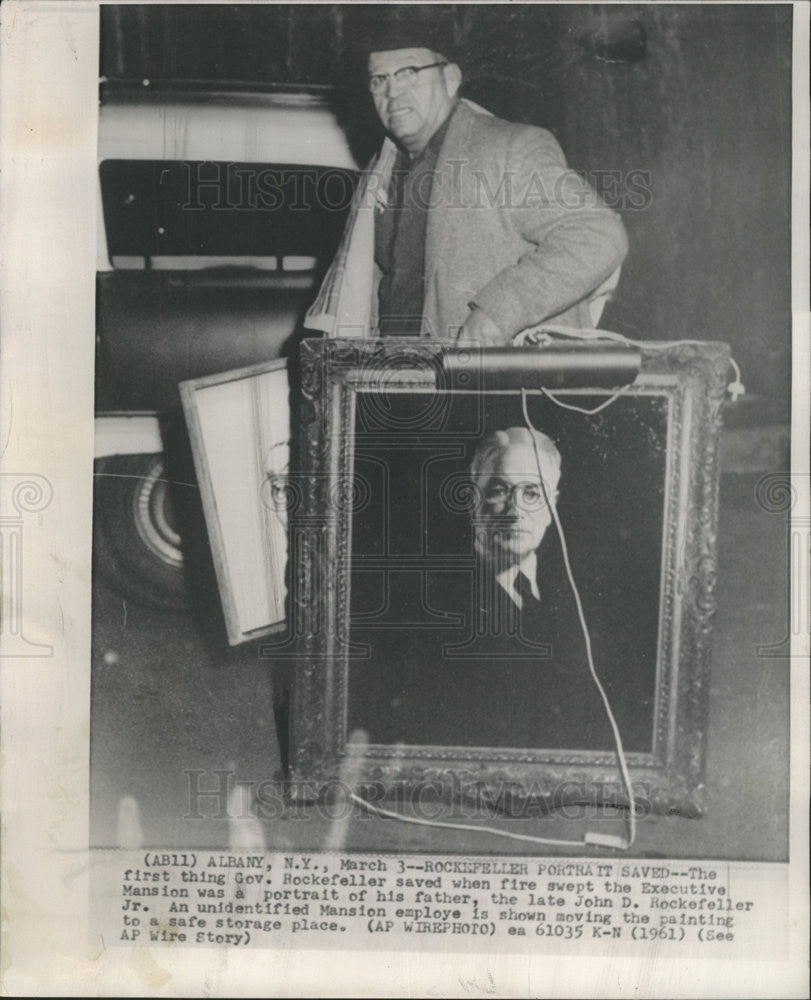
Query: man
{"points": [[509, 668], [515, 487], [526, 621], [465, 226]]}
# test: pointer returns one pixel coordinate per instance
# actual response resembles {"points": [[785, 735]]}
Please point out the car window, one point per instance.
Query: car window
{"points": [[197, 214]]}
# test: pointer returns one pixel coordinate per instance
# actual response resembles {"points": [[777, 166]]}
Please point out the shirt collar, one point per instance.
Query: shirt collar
{"points": [[529, 567]]}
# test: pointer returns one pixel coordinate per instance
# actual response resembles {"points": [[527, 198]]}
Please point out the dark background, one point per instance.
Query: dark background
{"points": [[697, 98]]}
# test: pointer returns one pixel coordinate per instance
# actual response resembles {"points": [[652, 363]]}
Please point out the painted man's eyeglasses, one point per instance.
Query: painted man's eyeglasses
{"points": [[527, 496]]}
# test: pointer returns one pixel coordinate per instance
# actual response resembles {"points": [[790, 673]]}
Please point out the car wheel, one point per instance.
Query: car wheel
{"points": [[136, 544]]}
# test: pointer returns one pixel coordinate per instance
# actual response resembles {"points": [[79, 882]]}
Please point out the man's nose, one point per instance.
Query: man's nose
{"points": [[511, 510], [394, 87]]}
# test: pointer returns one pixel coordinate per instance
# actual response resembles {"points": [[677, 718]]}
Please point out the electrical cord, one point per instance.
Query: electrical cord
{"points": [[581, 409], [472, 827]]}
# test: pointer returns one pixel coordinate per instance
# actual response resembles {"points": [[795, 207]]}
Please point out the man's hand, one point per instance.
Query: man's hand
{"points": [[479, 328]]}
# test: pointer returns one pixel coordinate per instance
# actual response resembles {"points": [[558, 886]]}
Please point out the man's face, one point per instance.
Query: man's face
{"points": [[514, 515], [412, 113]]}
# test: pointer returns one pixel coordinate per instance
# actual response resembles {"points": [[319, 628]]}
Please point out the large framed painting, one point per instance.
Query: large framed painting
{"points": [[505, 569]]}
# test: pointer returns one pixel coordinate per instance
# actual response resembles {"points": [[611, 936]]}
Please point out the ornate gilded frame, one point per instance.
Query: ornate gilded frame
{"points": [[692, 379]]}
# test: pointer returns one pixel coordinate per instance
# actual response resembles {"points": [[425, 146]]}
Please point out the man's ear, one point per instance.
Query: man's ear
{"points": [[453, 79]]}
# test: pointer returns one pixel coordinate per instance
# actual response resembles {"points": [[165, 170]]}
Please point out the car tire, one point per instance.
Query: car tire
{"points": [[136, 544]]}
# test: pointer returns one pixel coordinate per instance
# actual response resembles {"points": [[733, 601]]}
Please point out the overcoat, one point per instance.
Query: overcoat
{"points": [[511, 229]]}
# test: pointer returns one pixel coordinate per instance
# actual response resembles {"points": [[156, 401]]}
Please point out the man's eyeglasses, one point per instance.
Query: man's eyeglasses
{"points": [[406, 77], [527, 496]]}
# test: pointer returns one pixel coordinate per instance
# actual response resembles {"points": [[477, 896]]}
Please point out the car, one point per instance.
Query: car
{"points": [[218, 211]]}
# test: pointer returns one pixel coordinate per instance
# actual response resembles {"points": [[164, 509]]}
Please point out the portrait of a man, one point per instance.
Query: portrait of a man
{"points": [[478, 640], [516, 491], [524, 612]]}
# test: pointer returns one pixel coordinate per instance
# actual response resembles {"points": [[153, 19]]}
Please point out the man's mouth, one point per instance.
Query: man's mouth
{"points": [[398, 112]]}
